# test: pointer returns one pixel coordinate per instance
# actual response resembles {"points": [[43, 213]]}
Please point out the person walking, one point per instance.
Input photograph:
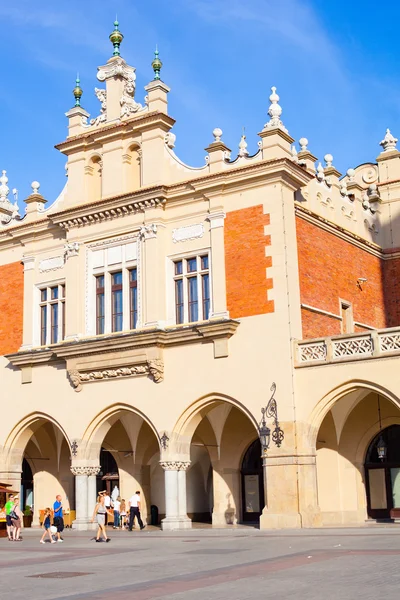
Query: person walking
{"points": [[9, 507], [123, 514], [46, 526], [100, 512], [117, 511], [58, 520], [16, 519], [107, 502], [134, 511]]}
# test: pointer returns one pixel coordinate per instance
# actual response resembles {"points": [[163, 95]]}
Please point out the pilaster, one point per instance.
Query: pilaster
{"points": [[218, 276], [74, 293], [29, 283]]}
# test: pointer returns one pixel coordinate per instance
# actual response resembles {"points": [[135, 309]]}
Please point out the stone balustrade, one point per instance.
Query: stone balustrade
{"points": [[377, 343]]}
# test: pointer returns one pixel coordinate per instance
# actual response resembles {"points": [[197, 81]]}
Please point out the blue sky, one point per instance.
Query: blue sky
{"points": [[335, 66]]}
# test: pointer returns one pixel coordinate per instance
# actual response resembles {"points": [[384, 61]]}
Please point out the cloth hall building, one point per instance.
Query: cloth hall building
{"points": [[153, 309]]}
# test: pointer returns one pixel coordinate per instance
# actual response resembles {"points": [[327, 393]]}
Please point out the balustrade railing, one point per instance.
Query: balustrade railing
{"points": [[355, 346]]}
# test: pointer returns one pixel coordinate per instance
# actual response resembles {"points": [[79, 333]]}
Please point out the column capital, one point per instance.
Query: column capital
{"points": [[175, 465], [28, 262], [80, 470]]}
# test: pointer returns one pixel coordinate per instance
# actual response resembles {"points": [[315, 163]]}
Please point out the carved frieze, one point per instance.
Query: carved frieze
{"points": [[154, 368], [190, 232], [51, 264]]}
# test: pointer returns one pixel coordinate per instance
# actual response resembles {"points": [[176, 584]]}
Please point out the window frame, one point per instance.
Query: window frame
{"points": [[185, 276], [51, 332]]}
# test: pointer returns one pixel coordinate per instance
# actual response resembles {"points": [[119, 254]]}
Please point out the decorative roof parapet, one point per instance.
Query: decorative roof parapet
{"points": [[389, 142], [8, 211]]}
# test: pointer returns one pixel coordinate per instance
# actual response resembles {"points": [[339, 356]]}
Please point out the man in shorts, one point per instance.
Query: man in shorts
{"points": [[9, 507], [58, 520]]}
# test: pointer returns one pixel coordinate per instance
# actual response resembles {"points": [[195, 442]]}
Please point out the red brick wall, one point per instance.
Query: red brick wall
{"points": [[391, 280], [11, 307], [328, 269], [247, 284]]}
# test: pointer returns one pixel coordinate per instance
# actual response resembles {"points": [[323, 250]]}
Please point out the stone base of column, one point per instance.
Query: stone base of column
{"points": [[280, 521], [171, 523], [84, 525], [311, 518]]}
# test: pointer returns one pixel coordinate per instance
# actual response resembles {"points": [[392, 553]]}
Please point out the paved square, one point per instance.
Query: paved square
{"points": [[236, 564]]}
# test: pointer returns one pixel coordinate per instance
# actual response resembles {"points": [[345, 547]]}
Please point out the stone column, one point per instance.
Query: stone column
{"points": [[185, 522], [81, 497], [91, 491], [175, 489]]}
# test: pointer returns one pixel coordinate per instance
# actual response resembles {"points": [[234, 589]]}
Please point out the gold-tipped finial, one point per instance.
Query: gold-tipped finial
{"points": [[77, 91], [116, 38], [157, 65]]}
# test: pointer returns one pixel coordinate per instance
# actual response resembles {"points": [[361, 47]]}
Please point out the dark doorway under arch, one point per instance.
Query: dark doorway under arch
{"points": [[382, 478], [109, 473], [252, 483]]}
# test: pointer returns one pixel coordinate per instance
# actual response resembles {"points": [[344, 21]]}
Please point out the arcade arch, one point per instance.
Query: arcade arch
{"points": [[37, 458], [344, 425], [213, 435]]}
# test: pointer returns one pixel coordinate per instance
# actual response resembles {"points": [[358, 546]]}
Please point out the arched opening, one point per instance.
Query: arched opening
{"points": [[132, 168], [93, 179], [38, 454], [382, 476], [252, 483], [351, 483], [216, 432], [127, 448]]}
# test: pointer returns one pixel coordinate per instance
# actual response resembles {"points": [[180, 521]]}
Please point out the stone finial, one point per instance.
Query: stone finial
{"points": [[320, 173], [389, 142], [294, 154], [303, 142], [243, 146], [328, 158], [116, 38], [35, 185], [4, 189], [77, 91], [350, 174], [157, 65], [217, 133], [274, 111]]}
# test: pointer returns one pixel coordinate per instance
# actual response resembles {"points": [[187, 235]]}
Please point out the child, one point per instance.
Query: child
{"points": [[46, 526], [123, 513]]}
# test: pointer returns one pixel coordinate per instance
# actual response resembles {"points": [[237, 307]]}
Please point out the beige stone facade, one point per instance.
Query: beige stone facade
{"points": [[148, 348]]}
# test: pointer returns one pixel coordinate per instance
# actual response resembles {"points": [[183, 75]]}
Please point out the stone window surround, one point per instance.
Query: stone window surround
{"points": [[36, 309]]}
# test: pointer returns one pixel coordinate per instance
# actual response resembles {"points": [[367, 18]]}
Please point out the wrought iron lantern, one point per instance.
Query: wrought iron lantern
{"points": [[264, 432], [270, 411], [381, 448]]}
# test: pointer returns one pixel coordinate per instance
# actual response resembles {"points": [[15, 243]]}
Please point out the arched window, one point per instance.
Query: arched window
{"points": [[93, 179]]}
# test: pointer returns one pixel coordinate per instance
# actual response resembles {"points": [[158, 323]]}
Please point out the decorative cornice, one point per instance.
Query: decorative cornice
{"points": [[94, 134], [116, 344]]}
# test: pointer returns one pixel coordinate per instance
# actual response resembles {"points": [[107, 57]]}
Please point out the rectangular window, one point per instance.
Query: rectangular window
{"points": [[116, 301], [133, 298], [192, 289], [52, 314], [100, 315]]}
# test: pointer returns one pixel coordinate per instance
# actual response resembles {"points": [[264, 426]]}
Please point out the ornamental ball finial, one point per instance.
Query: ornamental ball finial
{"points": [[217, 133], [116, 38], [303, 144], [77, 91], [35, 185], [350, 174], [157, 65], [328, 158]]}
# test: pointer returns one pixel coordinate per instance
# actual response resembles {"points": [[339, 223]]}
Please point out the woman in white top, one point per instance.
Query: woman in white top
{"points": [[123, 513], [117, 510]]}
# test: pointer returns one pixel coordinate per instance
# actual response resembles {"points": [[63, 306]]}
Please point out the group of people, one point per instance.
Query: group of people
{"points": [[14, 519], [116, 508], [58, 522]]}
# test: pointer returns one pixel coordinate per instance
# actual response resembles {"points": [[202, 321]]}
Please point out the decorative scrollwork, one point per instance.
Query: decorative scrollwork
{"points": [[164, 440], [271, 412]]}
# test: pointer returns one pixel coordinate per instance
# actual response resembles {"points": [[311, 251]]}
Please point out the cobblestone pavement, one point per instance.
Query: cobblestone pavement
{"points": [[234, 564]]}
